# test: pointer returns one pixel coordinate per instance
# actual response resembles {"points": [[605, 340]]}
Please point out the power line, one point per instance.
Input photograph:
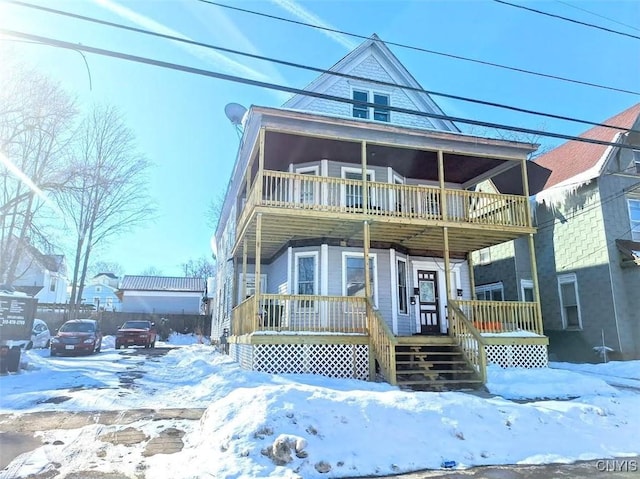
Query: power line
{"points": [[298, 91], [560, 17], [598, 15], [424, 50], [311, 68]]}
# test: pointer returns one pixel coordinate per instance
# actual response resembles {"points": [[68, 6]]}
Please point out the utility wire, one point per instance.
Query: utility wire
{"points": [[424, 50], [298, 91], [312, 68], [598, 15], [572, 20]]}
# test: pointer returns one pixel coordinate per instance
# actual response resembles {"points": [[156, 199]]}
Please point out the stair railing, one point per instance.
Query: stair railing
{"points": [[382, 343], [469, 339]]}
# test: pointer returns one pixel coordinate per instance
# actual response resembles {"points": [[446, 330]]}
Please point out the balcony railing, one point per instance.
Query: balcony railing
{"points": [[501, 316], [340, 195], [300, 313]]}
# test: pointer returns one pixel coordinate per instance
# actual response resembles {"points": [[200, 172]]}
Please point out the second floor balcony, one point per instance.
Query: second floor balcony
{"points": [[391, 202]]}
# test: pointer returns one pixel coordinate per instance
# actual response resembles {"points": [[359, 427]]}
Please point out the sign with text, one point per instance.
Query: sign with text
{"points": [[16, 317]]}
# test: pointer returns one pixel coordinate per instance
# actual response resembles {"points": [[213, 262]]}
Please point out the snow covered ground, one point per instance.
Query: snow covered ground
{"points": [[345, 427]]}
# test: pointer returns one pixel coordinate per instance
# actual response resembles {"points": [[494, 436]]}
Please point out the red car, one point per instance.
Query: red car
{"points": [[136, 333], [77, 336]]}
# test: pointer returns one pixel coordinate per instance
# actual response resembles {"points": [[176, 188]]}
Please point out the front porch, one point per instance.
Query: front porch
{"points": [[345, 336]]}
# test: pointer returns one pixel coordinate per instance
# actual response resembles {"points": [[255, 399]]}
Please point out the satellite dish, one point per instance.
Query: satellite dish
{"points": [[235, 112]]}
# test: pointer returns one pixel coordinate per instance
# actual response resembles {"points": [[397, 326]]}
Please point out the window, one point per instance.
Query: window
{"points": [[484, 256], [353, 275], [352, 194], [360, 111], [569, 301], [306, 190], [402, 286], [98, 289], [634, 217], [96, 301], [636, 160], [52, 284], [490, 292], [526, 286], [109, 303], [379, 113], [306, 273]]}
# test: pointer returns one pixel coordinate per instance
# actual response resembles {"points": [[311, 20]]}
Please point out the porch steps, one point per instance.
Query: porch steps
{"points": [[431, 364]]}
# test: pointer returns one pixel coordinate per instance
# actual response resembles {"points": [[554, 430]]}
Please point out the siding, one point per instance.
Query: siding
{"points": [[502, 268], [160, 305], [370, 67]]}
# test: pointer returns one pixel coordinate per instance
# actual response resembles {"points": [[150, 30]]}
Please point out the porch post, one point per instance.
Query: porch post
{"points": [[447, 274], [367, 273], [256, 307], [532, 250], [259, 174], [443, 196], [471, 275], [244, 270], [365, 190]]}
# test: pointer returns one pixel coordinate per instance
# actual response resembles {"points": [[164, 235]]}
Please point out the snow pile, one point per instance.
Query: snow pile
{"points": [[178, 339], [108, 342], [516, 383], [291, 426]]}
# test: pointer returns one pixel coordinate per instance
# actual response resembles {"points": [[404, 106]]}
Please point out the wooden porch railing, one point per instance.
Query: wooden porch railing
{"points": [[469, 339], [501, 316], [383, 344], [301, 313], [322, 193]]}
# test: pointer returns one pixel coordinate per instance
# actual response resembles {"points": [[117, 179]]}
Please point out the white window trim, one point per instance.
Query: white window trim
{"points": [[480, 260], [490, 287], [564, 279], [306, 254], [370, 110], [406, 285], [635, 234], [343, 174], [304, 170], [526, 284], [374, 256]]}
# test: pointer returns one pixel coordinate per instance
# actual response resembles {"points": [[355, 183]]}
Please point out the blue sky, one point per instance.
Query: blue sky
{"points": [[179, 120]]}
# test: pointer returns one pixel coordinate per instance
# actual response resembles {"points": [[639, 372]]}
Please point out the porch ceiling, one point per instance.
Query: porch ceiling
{"points": [[281, 149], [279, 228]]}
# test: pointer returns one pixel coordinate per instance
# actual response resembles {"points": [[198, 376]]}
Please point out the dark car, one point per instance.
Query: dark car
{"points": [[136, 333], [77, 336]]}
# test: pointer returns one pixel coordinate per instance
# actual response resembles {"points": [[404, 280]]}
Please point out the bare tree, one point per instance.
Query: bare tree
{"points": [[108, 194], [214, 210], [199, 268], [152, 271], [105, 267], [36, 123]]}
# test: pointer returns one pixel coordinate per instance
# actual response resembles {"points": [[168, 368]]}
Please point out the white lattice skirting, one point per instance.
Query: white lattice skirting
{"points": [[518, 355], [331, 360]]}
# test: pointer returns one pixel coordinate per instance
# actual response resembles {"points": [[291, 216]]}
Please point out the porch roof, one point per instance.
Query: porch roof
{"points": [[298, 137]]}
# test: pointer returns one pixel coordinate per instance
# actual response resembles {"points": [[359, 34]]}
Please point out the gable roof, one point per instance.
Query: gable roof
{"points": [[162, 283], [391, 64], [575, 158], [109, 275]]}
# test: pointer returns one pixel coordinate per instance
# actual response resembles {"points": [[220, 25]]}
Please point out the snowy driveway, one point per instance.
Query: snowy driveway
{"points": [[124, 415]]}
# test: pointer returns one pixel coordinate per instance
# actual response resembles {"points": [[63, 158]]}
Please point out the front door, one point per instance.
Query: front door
{"points": [[428, 302]]}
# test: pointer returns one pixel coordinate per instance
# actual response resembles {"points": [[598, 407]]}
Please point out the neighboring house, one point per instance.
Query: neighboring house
{"points": [[322, 188], [43, 276], [161, 294], [587, 246], [101, 292]]}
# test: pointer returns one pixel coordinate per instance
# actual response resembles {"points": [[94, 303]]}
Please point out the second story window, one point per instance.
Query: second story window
{"points": [[379, 113], [636, 160], [634, 217]]}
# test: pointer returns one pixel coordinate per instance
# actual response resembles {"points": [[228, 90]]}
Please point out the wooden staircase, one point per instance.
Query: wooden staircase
{"points": [[435, 363]]}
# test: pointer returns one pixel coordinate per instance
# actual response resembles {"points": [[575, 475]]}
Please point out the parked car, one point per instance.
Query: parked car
{"points": [[40, 337], [136, 333], [77, 336]]}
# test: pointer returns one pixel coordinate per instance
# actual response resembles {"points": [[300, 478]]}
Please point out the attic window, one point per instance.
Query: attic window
{"points": [[379, 113]]}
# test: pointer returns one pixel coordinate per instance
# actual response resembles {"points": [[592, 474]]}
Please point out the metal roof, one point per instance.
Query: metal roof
{"points": [[162, 283]]}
